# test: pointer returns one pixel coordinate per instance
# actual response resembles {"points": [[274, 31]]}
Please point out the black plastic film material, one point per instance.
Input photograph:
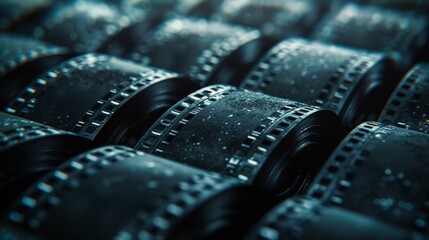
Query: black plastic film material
{"points": [[28, 150], [274, 18], [13, 12], [401, 35], [274, 143], [408, 107], [22, 60], [379, 171], [353, 83], [210, 52], [114, 192], [82, 26], [301, 218], [100, 97]]}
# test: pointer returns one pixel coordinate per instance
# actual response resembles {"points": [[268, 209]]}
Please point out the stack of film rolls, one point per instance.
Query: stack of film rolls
{"points": [[214, 119]]}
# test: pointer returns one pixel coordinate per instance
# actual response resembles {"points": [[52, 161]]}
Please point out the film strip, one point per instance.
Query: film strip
{"points": [[352, 83], [210, 52], [392, 161], [240, 134], [115, 85], [408, 106], [166, 195]]}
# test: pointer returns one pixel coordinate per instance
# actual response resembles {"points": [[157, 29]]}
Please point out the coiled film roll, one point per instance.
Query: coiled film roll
{"points": [[28, 150], [114, 192], [353, 83], [274, 18], [379, 171], [273, 143], [82, 26], [408, 107], [102, 98], [302, 218], [21, 60], [210, 52], [402, 35]]}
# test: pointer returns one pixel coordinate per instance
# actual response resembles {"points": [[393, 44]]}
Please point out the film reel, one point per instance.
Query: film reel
{"points": [[379, 171], [102, 98], [273, 143], [352, 83], [29, 150], [401, 35], [208, 51], [165, 198], [301, 218], [408, 106], [21, 60]]}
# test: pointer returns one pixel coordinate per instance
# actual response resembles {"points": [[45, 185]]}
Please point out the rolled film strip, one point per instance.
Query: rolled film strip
{"points": [[402, 35], [301, 218], [408, 107], [102, 98], [270, 142], [82, 26], [379, 171], [21, 60], [352, 83], [28, 150], [208, 51], [86, 197], [274, 18]]}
